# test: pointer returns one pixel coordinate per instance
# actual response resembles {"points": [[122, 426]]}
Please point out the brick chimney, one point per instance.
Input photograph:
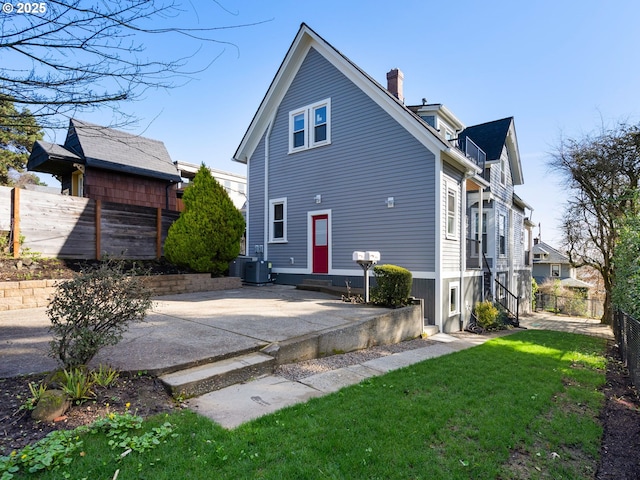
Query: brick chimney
{"points": [[395, 79]]}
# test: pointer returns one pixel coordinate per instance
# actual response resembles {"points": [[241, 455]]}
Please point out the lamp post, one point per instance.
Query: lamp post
{"points": [[366, 260]]}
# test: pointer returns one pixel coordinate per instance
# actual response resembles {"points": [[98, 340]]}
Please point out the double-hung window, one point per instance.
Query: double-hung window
{"points": [[452, 213], [502, 235], [310, 126], [479, 237], [278, 220]]}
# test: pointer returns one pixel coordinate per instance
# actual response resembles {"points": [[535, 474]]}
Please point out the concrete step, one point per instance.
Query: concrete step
{"points": [[430, 330], [209, 377], [314, 282]]}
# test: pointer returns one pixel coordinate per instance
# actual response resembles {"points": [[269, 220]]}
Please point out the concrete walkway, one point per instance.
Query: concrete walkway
{"points": [[237, 404], [196, 327]]}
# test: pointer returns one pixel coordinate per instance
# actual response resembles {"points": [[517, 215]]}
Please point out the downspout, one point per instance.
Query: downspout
{"points": [[166, 194], [267, 136], [479, 233], [463, 244]]}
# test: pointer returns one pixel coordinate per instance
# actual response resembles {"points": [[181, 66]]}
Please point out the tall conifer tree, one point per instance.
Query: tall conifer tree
{"points": [[206, 236]]}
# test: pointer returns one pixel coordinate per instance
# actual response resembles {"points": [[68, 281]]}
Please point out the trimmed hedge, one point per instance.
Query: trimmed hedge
{"points": [[393, 286]]}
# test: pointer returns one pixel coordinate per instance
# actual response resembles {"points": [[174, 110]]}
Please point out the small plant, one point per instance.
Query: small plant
{"points": [[94, 310], [393, 286], [36, 389], [487, 315], [104, 376], [50, 453], [349, 297], [59, 447], [78, 385]]}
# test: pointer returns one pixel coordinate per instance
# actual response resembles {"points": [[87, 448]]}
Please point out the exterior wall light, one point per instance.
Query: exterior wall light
{"points": [[390, 202], [318, 198]]}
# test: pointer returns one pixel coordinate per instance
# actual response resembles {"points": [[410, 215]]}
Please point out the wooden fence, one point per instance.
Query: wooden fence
{"points": [[72, 227]]}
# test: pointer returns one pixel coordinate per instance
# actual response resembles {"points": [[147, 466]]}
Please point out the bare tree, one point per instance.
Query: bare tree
{"points": [[601, 174], [65, 56]]}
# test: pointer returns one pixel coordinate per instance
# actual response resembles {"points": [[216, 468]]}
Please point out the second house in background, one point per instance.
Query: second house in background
{"points": [[336, 163]]}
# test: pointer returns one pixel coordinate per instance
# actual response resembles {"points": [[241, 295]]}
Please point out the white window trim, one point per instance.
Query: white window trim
{"points": [[278, 201], [475, 251], [309, 126], [456, 216], [454, 287], [551, 270], [502, 225]]}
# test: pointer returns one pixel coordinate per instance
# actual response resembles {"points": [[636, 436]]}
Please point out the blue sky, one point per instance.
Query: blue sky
{"points": [[560, 68]]}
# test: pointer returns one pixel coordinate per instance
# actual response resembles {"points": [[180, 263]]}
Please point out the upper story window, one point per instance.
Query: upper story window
{"points": [[502, 235], [310, 126], [452, 213], [503, 171]]}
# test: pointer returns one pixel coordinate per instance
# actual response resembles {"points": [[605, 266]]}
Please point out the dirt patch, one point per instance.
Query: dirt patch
{"points": [[142, 395], [620, 418]]}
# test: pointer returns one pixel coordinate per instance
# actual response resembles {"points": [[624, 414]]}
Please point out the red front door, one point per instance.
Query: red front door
{"points": [[320, 243]]}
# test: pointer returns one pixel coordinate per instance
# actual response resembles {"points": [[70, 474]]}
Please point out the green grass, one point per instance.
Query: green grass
{"points": [[520, 406]]}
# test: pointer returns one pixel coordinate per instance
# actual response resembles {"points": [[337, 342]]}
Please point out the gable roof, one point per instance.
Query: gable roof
{"points": [[115, 150], [492, 137], [552, 255], [306, 39], [96, 146]]}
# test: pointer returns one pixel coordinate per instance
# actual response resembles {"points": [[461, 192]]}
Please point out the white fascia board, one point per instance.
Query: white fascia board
{"points": [[514, 155], [276, 91], [306, 39]]}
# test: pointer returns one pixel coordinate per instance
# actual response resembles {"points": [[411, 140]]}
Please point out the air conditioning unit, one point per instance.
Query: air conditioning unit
{"points": [[257, 272]]}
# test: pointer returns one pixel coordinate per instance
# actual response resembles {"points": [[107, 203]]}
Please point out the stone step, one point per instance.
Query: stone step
{"points": [[209, 377]]}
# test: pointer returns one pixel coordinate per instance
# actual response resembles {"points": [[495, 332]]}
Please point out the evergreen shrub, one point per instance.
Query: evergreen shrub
{"points": [[488, 315], [206, 236], [393, 286]]}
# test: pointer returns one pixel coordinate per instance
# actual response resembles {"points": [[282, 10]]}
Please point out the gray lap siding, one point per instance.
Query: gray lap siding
{"points": [[370, 158]]}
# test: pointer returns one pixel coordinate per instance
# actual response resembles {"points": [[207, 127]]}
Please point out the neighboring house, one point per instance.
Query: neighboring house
{"points": [[337, 163], [109, 165], [499, 228], [551, 264], [235, 185]]}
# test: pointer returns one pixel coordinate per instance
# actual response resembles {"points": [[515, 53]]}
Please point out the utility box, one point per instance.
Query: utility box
{"points": [[257, 272], [237, 267]]}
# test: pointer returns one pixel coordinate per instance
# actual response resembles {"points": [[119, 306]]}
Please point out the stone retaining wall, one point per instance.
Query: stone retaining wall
{"points": [[36, 293]]}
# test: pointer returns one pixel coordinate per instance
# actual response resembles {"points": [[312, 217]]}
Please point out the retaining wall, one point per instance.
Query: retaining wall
{"points": [[36, 293]]}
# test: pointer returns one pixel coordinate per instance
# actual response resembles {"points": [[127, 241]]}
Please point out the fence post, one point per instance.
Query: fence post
{"points": [[98, 229], [16, 222]]}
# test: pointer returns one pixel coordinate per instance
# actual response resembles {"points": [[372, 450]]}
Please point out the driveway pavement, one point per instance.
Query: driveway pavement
{"points": [[187, 328]]}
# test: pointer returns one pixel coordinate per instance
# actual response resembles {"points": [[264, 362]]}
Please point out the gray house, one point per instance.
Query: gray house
{"points": [[550, 263], [337, 163]]}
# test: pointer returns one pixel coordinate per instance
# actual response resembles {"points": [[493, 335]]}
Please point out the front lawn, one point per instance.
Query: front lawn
{"points": [[520, 406]]}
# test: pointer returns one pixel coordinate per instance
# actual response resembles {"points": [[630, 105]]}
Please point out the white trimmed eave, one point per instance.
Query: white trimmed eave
{"points": [[307, 38], [514, 155]]}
